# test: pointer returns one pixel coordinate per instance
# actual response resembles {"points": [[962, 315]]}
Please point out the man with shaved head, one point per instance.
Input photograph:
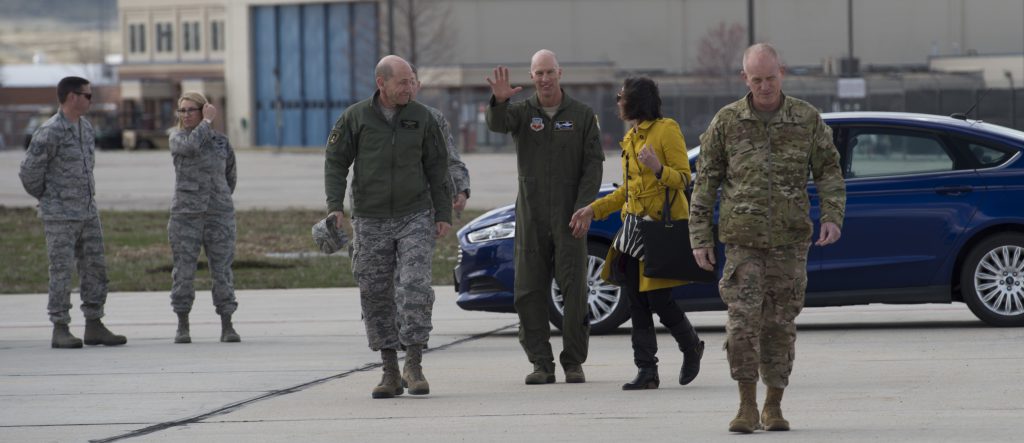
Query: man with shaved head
{"points": [[758, 150], [401, 202], [558, 150]]}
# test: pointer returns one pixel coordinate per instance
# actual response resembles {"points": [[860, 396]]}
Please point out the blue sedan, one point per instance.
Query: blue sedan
{"points": [[934, 214]]}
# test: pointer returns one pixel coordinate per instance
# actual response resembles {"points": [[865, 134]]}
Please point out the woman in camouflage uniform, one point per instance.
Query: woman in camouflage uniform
{"points": [[202, 213]]}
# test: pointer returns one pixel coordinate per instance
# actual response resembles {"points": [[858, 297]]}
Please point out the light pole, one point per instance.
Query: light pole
{"points": [[1013, 99]]}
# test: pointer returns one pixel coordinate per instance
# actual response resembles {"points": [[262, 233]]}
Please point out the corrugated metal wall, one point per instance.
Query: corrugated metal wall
{"points": [[311, 61]]}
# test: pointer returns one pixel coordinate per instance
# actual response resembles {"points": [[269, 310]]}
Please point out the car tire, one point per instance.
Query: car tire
{"points": [[145, 144], [992, 280], [608, 310]]}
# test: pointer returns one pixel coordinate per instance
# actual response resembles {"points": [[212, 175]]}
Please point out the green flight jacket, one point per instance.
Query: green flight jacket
{"points": [[399, 168], [559, 159], [762, 169]]}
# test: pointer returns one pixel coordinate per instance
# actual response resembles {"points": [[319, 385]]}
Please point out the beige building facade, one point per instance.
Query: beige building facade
{"points": [[597, 41]]}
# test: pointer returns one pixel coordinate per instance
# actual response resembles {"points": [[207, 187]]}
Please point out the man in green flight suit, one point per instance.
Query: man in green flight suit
{"points": [[558, 150]]}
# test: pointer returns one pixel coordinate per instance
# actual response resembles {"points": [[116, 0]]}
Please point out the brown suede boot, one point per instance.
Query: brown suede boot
{"points": [[182, 335], [746, 420], [412, 374], [62, 338], [772, 414], [97, 334], [391, 383]]}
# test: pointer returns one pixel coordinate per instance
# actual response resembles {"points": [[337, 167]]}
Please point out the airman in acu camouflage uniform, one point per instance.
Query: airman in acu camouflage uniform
{"points": [[202, 213], [401, 202], [760, 150], [58, 170]]}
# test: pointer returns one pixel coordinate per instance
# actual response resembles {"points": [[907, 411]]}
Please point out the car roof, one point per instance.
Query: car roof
{"points": [[926, 121]]}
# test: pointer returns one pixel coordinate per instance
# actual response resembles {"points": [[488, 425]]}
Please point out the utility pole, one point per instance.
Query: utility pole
{"points": [[750, 23], [391, 26]]}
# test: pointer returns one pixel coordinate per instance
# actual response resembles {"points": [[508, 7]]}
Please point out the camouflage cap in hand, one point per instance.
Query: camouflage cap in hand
{"points": [[328, 237]]}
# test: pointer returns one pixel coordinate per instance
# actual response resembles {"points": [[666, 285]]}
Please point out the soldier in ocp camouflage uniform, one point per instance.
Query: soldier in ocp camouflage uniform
{"points": [[202, 213], [759, 150], [401, 202], [58, 170]]}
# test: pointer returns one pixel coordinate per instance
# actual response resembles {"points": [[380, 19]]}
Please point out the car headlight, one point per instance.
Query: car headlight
{"points": [[493, 232]]}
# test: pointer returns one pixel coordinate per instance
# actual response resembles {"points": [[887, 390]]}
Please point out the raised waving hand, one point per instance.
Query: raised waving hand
{"points": [[500, 86]]}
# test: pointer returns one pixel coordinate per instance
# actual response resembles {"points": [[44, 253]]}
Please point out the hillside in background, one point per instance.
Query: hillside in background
{"points": [[74, 13], [58, 31]]}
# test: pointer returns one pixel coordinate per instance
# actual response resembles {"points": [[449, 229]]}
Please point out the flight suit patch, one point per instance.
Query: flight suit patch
{"points": [[537, 124], [333, 138], [410, 124], [564, 125]]}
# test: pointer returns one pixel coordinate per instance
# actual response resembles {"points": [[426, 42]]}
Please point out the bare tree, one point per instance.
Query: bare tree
{"points": [[424, 31], [721, 48]]}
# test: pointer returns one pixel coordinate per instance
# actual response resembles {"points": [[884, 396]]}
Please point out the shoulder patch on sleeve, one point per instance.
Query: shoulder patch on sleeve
{"points": [[333, 138]]}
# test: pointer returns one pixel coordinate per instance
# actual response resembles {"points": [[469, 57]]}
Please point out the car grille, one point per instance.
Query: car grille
{"points": [[484, 284]]}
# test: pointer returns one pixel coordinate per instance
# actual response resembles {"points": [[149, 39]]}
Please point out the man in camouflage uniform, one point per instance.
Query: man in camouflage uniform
{"points": [[759, 150], [559, 156], [401, 202], [57, 170], [457, 171]]}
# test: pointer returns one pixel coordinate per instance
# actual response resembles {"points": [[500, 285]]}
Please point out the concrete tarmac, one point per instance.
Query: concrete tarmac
{"points": [[303, 373]]}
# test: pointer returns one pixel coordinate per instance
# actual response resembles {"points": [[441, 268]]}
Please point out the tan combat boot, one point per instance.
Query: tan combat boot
{"points": [[412, 374], [542, 374], [746, 420], [182, 335], [772, 414], [391, 384], [98, 334], [62, 338], [227, 330]]}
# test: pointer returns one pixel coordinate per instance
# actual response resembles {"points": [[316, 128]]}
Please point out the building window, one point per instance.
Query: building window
{"points": [[137, 38], [164, 37], [190, 36], [217, 35]]}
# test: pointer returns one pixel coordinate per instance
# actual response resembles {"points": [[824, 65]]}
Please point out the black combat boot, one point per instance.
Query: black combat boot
{"points": [[645, 347], [692, 347], [227, 331], [62, 338], [97, 334], [182, 335]]}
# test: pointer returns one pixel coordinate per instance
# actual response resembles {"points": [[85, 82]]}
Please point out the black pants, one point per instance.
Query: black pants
{"points": [[642, 305]]}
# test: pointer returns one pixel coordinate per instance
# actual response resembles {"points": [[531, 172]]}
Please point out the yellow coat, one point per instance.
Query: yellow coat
{"points": [[647, 191]]}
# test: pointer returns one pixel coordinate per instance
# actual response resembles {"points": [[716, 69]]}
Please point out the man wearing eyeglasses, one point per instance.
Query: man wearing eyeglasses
{"points": [[57, 170]]}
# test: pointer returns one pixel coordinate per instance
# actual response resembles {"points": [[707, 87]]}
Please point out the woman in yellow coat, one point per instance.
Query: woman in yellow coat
{"points": [[653, 160]]}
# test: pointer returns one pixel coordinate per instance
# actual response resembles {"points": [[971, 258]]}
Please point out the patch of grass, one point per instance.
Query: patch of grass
{"points": [[139, 257]]}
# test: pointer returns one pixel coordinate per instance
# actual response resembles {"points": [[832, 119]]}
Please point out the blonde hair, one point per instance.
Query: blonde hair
{"points": [[193, 97]]}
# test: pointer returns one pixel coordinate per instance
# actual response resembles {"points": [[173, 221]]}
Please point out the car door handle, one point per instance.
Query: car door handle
{"points": [[953, 190]]}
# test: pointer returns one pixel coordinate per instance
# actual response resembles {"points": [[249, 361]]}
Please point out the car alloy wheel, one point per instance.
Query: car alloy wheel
{"points": [[993, 280], [606, 309]]}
